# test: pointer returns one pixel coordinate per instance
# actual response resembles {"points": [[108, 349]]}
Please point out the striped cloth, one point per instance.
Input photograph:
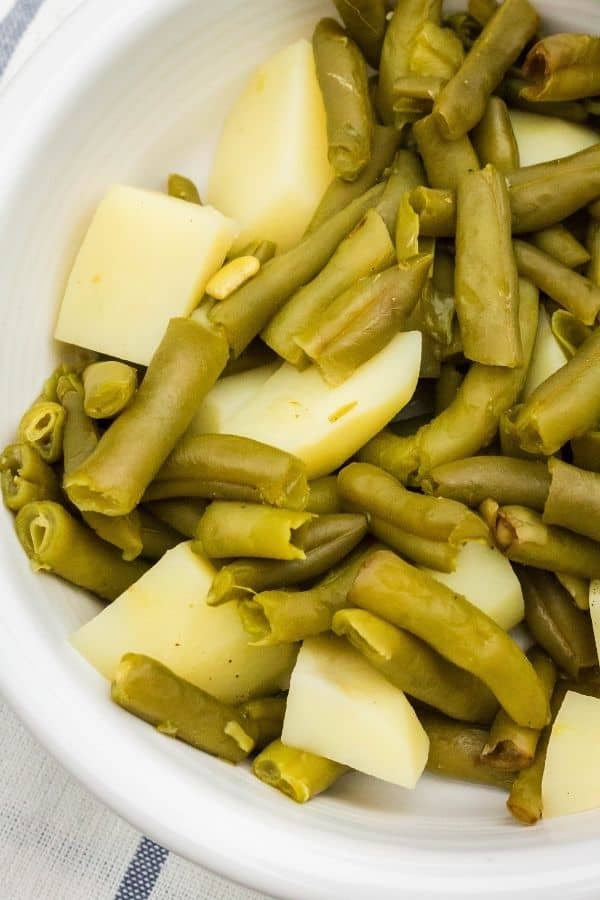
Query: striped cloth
{"points": [[56, 841]]}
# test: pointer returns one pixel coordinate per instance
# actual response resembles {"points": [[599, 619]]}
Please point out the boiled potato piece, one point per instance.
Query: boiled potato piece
{"points": [[547, 357], [271, 167], [486, 578], [571, 781], [340, 707], [146, 257], [324, 425], [542, 138], [165, 615], [228, 396]]}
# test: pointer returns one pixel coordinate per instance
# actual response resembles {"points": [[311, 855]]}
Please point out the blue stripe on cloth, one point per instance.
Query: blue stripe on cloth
{"points": [[143, 870], [13, 26]]}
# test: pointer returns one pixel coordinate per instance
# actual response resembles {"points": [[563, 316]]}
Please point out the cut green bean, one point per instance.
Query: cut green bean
{"points": [[342, 75], [409, 598], [124, 532], [365, 22], [482, 10], [182, 515], [494, 139], [42, 428], [25, 477], [574, 499], [108, 387], [185, 366], [406, 173], [593, 246], [249, 529], [179, 709], [419, 87], [436, 53], [263, 251], [509, 437], [296, 773], [323, 497], [445, 161], [577, 588], [508, 481], [586, 451], [461, 104], [157, 537], [413, 667], [511, 90], [525, 798], [266, 715], [56, 542], [419, 550], [558, 242], [570, 332], [563, 67], [183, 188], [447, 386], [81, 435], [436, 210]]}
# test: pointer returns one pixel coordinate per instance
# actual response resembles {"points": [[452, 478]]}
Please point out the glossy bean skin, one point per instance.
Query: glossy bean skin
{"points": [[25, 477], [494, 139], [557, 241], [365, 22], [108, 388], [42, 428], [181, 514], [509, 481], [183, 188], [573, 499], [298, 774], [228, 529], [445, 161], [563, 67]]}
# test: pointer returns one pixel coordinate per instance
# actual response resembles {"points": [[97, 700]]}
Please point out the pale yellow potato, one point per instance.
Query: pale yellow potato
{"points": [[228, 396], [571, 781], [486, 578], [340, 707], [271, 168], [146, 257], [164, 615], [547, 357], [324, 425], [542, 138], [595, 611]]}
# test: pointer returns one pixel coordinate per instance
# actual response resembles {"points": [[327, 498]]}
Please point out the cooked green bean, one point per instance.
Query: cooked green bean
{"points": [[524, 538], [263, 251], [445, 161], [177, 708], [465, 27], [326, 540], [124, 532], [419, 87], [461, 103], [323, 497], [108, 388], [566, 405], [446, 387], [342, 75], [266, 714], [508, 481], [508, 435], [412, 666], [249, 529], [586, 451], [156, 536], [471, 421], [367, 250], [422, 551], [275, 617], [362, 320], [482, 10], [408, 19], [436, 210], [56, 542], [407, 230], [577, 588], [296, 773], [181, 187], [455, 751], [564, 631], [228, 467], [25, 477], [570, 332], [248, 310], [182, 515], [80, 435], [511, 90], [462, 633], [406, 173], [494, 139], [340, 193], [563, 67], [436, 53], [510, 746], [486, 282], [574, 499], [525, 798], [593, 246], [573, 291], [41, 427], [365, 22], [48, 391], [185, 366], [558, 242]]}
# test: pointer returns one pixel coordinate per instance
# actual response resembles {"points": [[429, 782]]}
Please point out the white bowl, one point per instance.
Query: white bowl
{"points": [[128, 91]]}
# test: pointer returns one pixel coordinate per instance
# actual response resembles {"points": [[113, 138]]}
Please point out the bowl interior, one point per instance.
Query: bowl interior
{"points": [[128, 94]]}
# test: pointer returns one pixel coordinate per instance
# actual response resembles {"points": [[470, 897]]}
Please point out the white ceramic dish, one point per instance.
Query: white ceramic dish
{"points": [[127, 91]]}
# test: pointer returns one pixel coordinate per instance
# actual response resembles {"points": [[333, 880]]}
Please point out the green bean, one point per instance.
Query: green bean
{"points": [[25, 477], [108, 388], [577, 588], [566, 405], [263, 251], [462, 633], [593, 246], [482, 10], [367, 250], [228, 467], [570, 332], [323, 497], [342, 75], [56, 542], [445, 161], [146, 688], [525, 798], [446, 387], [48, 391], [266, 715], [80, 435], [436, 53], [124, 532], [157, 537], [275, 617], [407, 230], [231, 529], [508, 481], [181, 187], [185, 366], [340, 193], [413, 667], [41, 427], [511, 90], [573, 291], [494, 139], [436, 210], [406, 173], [510, 746], [254, 356], [325, 540], [487, 284], [296, 773], [563, 67], [362, 320], [558, 242], [465, 27], [421, 551], [574, 499], [508, 435], [564, 631], [419, 87], [461, 103], [408, 19], [365, 22], [586, 451], [182, 515], [455, 751], [248, 310], [471, 421], [524, 538]]}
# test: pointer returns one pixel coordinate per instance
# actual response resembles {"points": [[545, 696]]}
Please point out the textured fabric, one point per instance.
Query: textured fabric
{"points": [[56, 841]]}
